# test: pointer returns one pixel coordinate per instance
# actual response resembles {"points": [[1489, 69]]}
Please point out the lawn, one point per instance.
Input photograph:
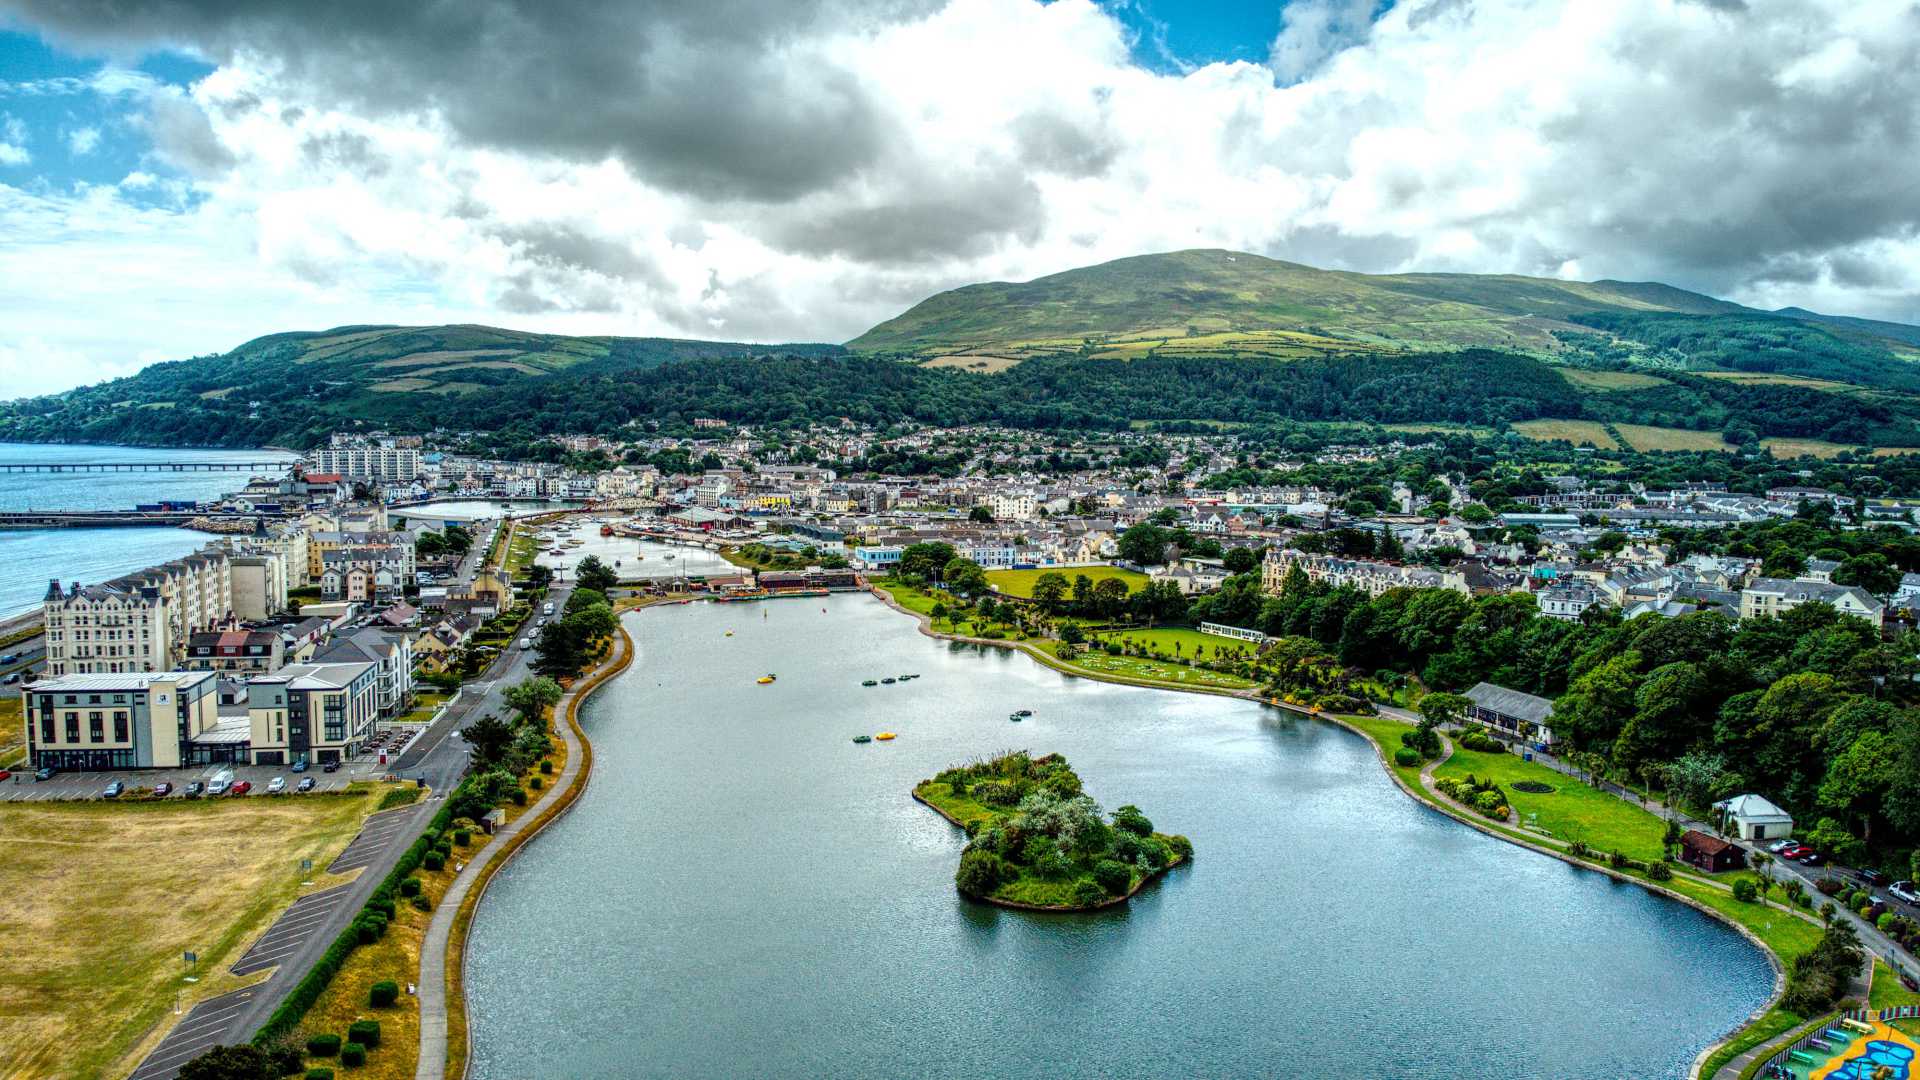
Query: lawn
{"points": [[120, 890], [1887, 991], [1020, 582], [1134, 669], [1577, 432], [1604, 381], [1644, 438], [1573, 811], [13, 733], [1181, 641]]}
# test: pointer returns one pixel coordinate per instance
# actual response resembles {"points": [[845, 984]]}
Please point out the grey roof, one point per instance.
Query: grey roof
{"points": [[116, 683], [1514, 703]]}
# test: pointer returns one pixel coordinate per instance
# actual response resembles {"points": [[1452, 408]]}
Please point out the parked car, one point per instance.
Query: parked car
{"points": [[1812, 858], [276, 785], [1904, 890], [331, 766], [113, 790], [306, 783], [1779, 846], [12, 677], [241, 788], [10, 658], [6, 774], [300, 766], [1872, 877], [195, 790], [162, 790], [47, 773], [1794, 851]]}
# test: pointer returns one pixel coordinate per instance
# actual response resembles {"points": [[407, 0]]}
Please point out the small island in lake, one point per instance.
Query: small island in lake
{"points": [[1039, 842]]}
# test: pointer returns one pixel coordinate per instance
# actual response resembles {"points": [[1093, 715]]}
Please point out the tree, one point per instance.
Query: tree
{"points": [[1145, 544], [925, 560], [1859, 780], [980, 514], [1109, 597], [964, 576], [596, 575], [560, 650], [1871, 571], [1049, 589], [532, 697], [1072, 634], [1444, 710], [228, 1063], [1475, 514], [458, 539], [539, 575], [489, 736], [1240, 560]]}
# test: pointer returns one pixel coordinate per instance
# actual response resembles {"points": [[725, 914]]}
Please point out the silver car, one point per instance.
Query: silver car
{"points": [[1904, 890]]}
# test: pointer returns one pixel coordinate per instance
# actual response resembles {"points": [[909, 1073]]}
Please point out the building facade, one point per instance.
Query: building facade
{"points": [[125, 721], [311, 712]]}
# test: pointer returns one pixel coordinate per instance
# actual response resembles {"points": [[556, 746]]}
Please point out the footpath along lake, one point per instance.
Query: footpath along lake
{"points": [[742, 891]]}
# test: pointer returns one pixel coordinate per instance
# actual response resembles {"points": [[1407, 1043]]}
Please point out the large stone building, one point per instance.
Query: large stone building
{"points": [[139, 622], [1775, 596], [1367, 575]]}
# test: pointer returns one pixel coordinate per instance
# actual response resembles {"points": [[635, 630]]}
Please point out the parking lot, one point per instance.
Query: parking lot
{"points": [[291, 930], [22, 787], [203, 1027]]}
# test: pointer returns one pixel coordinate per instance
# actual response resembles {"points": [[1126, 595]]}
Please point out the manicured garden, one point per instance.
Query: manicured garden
{"points": [[1570, 810], [1038, 840]]}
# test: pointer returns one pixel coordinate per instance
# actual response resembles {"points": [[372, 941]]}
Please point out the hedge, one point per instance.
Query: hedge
{"points": [[308, 990], [383, 993], [319, 1073], [325, 1045], [353, 1054], [364, 1032]]}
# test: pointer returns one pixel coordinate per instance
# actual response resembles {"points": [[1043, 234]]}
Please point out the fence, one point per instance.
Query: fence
{"points": [[1780, 1059]]}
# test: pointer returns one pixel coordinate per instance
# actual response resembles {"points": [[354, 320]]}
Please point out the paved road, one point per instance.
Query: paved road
{"points": [[203, 1027], [291, 930]]}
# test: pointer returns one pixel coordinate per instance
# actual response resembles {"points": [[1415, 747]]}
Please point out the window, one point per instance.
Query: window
{"points": [[96, 727], [119, 727], [73, 727], [46, 727]]}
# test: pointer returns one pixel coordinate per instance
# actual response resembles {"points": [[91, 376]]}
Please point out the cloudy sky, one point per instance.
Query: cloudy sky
{"points": [[177, 176]]}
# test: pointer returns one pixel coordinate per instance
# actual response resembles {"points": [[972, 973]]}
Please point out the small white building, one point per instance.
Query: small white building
{"points": [[1750, 817]]}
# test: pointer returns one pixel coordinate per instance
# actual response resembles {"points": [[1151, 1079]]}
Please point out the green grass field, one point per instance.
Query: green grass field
{"points": [[1604, 381], [1020, 582], [1181, 641], [1887, 991], [1644, 438], [1574, 811], [1577, 432]]}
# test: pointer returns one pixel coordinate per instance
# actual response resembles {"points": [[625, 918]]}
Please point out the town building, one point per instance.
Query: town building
{"points": [[247, 652], [1511, 713], [392, 657], [374, 458], [119, 721], [1750, 817], [311, 712], [136, 622], [1776, 596], [1710, 853]]}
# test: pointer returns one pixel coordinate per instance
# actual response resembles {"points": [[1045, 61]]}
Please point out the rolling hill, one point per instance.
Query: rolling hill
{"points": [[1213, 336], [1232, 301]]}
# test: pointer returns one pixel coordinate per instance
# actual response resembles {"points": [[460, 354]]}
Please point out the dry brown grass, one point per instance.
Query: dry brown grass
{"points": [[1644, 438], [1895, 451], [1577, 432], [400, 386], [101, 899], [1768, 378], [442, 356], [1610, 380], [978, 364], [13, 732], [1790, 448]]}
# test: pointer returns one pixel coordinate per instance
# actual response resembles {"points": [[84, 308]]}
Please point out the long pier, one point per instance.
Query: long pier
{"points": [[143, 466], [93, 519]]}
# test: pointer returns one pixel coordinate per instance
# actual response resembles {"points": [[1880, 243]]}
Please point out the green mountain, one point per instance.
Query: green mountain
{"points": [[1212, 301], [292, 388]]}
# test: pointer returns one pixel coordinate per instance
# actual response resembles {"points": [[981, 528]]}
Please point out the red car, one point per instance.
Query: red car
{"points": [[6, 774], [241, 788], [1794, 851]]}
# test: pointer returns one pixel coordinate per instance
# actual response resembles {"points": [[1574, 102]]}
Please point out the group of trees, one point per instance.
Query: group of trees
{"points": [[1812, 708], [512, 746], [453, 540], [1045, 840], [1108, 599], [568, 644]]}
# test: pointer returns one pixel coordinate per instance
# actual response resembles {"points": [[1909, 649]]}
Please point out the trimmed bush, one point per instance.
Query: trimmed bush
{"points": [[546, 768], [1406, 757], [1660, 871], [1087, 893], [410, 887], [534, 782], [323, 1045], [1113, 876], [364, 1032], [462, 837], [1180, 846], [353, 1054], [980, 872], [383, 993], [519, 797], [319, 1072], [421, 903], [1744, 891], [433, 860]]}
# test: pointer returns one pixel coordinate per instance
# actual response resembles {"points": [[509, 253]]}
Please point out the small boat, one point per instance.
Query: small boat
{"points": [[1023, 712], [885, 736], [863, 739], [906, 678], [764, 680], [869, 682], [729, 633], [1015, 717], [889, 681], [557, 551]]}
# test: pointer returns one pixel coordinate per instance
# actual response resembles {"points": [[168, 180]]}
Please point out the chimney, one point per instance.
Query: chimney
{"points": [[53, 589]]}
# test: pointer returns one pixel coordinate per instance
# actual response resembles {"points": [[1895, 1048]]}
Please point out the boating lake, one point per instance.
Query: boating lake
{"points": [[742, 891]]}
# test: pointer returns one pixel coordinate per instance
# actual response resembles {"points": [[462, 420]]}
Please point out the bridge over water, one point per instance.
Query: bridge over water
{"points": [[279, 465]]}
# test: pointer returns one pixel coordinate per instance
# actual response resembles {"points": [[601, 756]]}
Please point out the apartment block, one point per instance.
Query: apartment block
{"points": [[126, 721]]}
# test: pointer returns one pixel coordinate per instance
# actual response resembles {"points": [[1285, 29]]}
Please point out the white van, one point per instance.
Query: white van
{"points": [[221, 781], [526, 643]]}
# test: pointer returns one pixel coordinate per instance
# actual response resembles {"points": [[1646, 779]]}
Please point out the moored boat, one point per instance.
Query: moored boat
{"points": [[885, 736], [863, 738], [869, 682]]}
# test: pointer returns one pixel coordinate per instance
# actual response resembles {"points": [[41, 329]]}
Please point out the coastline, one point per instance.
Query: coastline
{"points": [[1380, 753], [1015, 905]]}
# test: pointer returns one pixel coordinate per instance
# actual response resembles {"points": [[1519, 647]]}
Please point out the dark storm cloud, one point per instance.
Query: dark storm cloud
{"points": [[944, 214], [715, 98]]}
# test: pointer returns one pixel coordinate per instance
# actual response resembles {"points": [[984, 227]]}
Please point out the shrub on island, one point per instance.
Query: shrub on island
{"points": [[1482, 796], [1038, 840]]}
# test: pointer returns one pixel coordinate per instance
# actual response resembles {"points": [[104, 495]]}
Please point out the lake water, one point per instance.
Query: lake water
{"points": [[30, 557], [741, 891]]}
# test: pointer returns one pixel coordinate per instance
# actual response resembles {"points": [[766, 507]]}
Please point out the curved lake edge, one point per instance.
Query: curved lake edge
{"points": [[565, 799], [925, 624], [1015, 905]]}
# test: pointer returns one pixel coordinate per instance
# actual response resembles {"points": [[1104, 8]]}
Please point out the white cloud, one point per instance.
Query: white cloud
{"points": [[82, 141], [13, 141], [1743, 151]]}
